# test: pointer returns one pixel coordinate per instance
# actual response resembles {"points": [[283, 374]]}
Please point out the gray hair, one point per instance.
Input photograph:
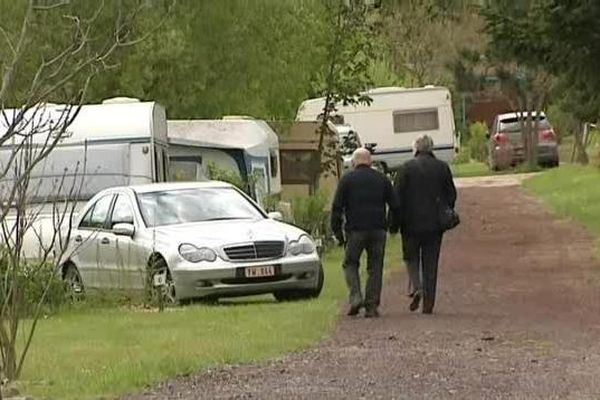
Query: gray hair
{"points": [[423, 144], [361, 156]]}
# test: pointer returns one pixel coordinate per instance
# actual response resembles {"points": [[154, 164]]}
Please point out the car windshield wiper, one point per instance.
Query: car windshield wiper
{"points": [[223, 218]]}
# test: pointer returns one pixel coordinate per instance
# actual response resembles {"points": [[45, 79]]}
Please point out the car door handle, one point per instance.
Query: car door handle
{"points": [[78, 239], [105, 241]]}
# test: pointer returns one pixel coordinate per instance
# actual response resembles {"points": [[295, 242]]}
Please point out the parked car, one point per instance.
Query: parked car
{"points": [[506, 146], [191, 240]]}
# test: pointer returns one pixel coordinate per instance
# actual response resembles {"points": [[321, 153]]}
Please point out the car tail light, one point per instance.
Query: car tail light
{"points": [[501, 138], [547, 135]]}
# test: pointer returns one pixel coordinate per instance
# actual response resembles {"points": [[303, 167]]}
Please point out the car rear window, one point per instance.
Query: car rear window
{"points": [[514, 124]]}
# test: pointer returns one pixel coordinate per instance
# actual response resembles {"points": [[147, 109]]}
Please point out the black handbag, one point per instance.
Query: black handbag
{"points": [[449, 218]]}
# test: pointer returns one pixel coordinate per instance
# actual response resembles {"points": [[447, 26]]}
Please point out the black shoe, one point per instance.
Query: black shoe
{"points": [[427, 306], [354, 310], [415, 303], [372, 313]]}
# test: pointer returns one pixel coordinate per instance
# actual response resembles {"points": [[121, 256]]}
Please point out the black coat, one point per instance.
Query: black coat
{"points": [[361, 198], [422, 185]]}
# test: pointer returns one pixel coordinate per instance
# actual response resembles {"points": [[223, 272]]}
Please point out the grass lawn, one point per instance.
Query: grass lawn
{"points": [[572, 191], [475, 168], [471, 169], [106, 352]]}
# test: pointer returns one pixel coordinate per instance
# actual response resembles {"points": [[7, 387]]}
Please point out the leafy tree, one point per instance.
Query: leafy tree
{"points": [[558, 36], [346, 75]]}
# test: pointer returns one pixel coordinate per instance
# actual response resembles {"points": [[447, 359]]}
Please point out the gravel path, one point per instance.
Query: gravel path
{"points": [[517, 317]]}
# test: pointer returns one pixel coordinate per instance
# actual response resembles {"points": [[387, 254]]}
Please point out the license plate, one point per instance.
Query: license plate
{"points": [[259, 272], [160, 280]]}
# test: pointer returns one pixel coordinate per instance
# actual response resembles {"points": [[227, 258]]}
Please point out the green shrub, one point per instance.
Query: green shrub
{"points": [[477, 143], [311, 214], [31, 282], [216, 173], [271, 202], [463, 156]]}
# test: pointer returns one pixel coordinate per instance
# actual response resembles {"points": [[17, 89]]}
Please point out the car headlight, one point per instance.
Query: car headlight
{"points": [[191, 253], [304, 245]]}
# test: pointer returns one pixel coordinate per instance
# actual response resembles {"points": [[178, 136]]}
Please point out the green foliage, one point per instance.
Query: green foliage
{"points": [[79, 36], [346, 74], [35, 284], [220, 58], [557, 36], [478, 142], [564, 123], [463, 156], [271, 202], [216, 173], [310, 214]]}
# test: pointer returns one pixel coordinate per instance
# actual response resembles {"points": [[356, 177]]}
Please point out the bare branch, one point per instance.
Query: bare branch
{"points": [[8, 74], [8, 41]]}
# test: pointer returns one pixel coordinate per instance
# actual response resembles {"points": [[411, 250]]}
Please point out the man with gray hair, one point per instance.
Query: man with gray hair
{"points": [[361, 199], [426, 188]]}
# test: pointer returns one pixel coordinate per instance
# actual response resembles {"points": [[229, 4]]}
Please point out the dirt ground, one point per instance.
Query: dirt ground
{"points": [[517, 317]]}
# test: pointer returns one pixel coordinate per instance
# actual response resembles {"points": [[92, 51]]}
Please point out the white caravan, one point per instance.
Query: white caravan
{"points": [[394, 119], [246, 146], [120, 142]]}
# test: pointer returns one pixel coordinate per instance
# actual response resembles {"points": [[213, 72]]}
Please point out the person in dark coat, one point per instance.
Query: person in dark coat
{"points": [[361, 199], [424, 185]]}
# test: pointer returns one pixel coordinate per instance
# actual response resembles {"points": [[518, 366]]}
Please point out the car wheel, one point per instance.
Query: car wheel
{"points": [[73, 283], [160, 285], [302, 294]]}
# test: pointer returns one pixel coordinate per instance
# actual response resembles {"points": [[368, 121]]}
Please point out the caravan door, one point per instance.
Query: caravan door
{"points": [[261, 181]]}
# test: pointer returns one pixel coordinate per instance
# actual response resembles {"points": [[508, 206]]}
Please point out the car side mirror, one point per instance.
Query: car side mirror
{"points": [[124, 230], [275, 215]]}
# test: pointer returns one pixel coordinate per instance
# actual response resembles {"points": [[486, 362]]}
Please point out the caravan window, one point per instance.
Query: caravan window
{"points": [[185, 169], [274, 164], [416, 120], [298, 166]]}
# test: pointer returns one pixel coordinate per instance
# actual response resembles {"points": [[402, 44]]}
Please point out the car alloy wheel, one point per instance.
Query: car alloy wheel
{"points": [[73, 282]]}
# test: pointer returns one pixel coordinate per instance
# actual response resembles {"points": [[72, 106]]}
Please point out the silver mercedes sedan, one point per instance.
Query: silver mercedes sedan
{"points": [[187, 241]]}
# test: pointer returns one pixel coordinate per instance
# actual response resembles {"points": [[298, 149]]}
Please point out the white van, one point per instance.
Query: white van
{"points": [[394, 119], [244, 145]]}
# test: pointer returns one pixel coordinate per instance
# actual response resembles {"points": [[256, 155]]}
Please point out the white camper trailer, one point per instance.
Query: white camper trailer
{"points": [[394, 119], [119, 142], [247, 146]]}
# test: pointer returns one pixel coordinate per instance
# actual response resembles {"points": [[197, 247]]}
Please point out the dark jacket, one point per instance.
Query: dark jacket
{"points": [[423, 185], [361, 198]]}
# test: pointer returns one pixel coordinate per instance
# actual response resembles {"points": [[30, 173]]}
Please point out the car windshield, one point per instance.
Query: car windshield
{"points": [[172, 207]]}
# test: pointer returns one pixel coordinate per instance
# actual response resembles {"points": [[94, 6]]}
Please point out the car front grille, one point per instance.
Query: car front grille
{"points": [[255, 251]]}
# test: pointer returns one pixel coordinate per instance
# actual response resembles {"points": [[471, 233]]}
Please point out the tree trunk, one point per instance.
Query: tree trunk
{"points": [[579, 150]]}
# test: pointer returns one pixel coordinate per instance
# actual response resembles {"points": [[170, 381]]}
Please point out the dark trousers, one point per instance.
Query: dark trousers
{"points": [[374, 243], [422, 254]]}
